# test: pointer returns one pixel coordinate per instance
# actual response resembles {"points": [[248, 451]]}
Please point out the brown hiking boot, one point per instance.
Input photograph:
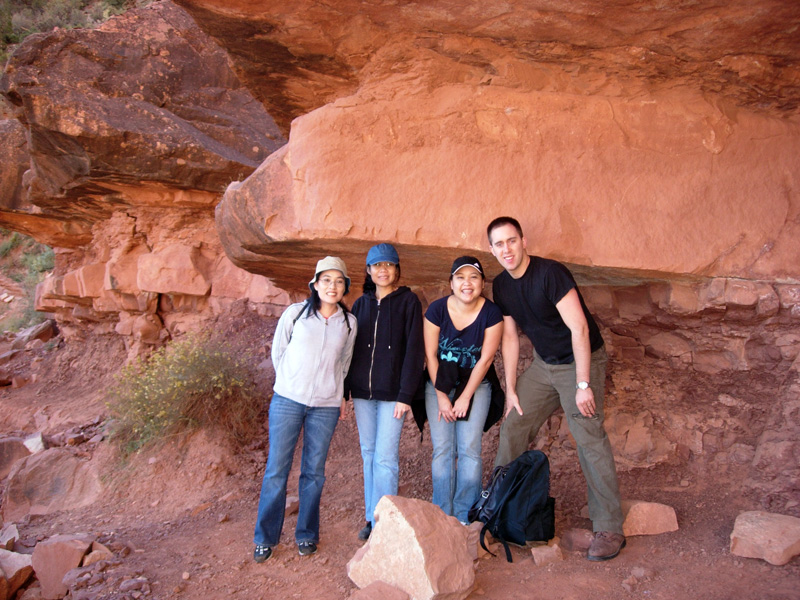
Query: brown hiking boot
{"points": [[606, 545]]}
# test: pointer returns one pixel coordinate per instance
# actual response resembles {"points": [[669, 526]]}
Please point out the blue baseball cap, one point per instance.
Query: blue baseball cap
{"points": [[382, 253]]}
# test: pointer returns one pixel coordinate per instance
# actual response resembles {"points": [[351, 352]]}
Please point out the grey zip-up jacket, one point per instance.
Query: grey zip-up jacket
{"points": [[311, 356]]}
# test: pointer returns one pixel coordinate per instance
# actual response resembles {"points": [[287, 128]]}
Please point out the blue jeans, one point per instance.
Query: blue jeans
{"points": [[286, 419], [456, 466], [379, 436]]}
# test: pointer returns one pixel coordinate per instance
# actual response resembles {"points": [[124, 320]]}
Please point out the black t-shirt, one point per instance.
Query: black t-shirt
{"points": [[531, 300], [462, 346]]}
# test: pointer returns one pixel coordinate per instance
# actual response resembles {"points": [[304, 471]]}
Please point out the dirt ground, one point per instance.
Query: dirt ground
{"points": [[182, 515]]}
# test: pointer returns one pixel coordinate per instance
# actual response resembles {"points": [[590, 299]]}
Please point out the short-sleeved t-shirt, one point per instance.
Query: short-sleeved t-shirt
{"points": [[531, 300], [462, 347]]}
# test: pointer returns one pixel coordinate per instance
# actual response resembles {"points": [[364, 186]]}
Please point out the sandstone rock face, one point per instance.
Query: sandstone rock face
{"points": [[441, 161], [122, 108], [127, 135], [49, 481], [297, 57], [14, 149], [151, 274], [415, 547]]}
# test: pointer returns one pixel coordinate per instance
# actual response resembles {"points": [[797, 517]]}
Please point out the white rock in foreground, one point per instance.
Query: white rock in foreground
{"points": [[415, 547], [769, 536]]}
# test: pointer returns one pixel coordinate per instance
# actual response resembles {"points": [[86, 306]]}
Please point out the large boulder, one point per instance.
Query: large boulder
{"points": [[48, 481], [416, 548]]}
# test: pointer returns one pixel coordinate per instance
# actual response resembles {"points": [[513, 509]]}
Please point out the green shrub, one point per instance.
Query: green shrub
{"points": [[41, 261], [9, 244], [21, 18], [25, 261], [194, 382]]}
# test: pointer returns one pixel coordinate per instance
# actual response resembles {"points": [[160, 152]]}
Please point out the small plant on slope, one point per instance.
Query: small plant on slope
{"points": [[194, 382]]}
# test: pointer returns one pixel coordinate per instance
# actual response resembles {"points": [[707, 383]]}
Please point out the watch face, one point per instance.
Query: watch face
{"points": [[583, 385]]}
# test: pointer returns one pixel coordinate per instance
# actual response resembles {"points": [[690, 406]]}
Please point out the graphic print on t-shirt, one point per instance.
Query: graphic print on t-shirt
{"points": [[454, 352]]}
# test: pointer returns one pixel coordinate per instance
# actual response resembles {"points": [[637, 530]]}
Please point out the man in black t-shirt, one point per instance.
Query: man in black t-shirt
{"points": [[568, 370]]}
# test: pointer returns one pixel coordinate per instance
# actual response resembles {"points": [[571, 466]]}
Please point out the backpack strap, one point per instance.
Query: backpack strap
{"points": [[484, 529]]}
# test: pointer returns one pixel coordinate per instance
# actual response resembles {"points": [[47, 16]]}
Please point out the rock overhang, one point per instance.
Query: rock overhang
{"points": [[299, 56]]}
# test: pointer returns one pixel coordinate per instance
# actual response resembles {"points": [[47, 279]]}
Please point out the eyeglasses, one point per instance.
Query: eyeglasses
{"points": [[383, 265], [330, 281]]}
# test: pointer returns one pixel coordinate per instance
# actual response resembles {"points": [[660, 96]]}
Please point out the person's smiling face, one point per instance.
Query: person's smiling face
{"points": [[510, 249], [384, 274], [467, 284], [330, 285]]}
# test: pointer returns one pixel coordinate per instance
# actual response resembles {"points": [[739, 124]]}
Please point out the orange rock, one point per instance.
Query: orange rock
{"points": [[648, 518], [54, 557]]}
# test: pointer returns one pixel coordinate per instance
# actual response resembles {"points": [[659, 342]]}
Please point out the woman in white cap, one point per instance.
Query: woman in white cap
{"points": [[462, 333], [387, 366], [311, 353]]}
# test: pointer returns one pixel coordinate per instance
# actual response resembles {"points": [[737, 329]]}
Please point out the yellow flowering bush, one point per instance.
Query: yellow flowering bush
{"points": [[194, 382]]}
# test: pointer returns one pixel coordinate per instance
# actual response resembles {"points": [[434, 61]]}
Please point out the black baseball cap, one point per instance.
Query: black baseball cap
{"points": [[466, 261]]}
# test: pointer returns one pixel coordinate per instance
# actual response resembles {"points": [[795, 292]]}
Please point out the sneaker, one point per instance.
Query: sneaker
{"points": [[365, 532], [306, 548], [261, 553], [606, 545]]}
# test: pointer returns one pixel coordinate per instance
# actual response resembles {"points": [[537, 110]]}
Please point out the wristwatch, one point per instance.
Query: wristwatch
{"points": [[582, 385]]}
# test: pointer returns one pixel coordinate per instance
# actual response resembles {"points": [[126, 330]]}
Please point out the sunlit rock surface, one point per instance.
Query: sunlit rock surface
{"points": [[298, 56]]}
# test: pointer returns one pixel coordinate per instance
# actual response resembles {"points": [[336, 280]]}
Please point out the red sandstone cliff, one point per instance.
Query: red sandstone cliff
{"points": [[654, 149]]}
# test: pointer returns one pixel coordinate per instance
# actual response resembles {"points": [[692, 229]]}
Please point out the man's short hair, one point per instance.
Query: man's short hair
{"points": [[499, 222]]}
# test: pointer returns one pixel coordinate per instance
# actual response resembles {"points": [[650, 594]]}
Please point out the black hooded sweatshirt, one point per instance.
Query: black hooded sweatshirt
{"points": [[389, 353]]}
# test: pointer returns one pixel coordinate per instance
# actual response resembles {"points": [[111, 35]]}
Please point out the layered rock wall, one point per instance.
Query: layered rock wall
{"points": [[120, 143], [654, 149]]}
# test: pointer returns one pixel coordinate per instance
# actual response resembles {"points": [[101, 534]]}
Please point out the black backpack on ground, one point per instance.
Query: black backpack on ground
{"points": [[516, 506]]}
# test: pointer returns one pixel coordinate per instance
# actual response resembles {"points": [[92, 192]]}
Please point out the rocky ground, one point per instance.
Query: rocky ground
{"points": [[180, 516]]}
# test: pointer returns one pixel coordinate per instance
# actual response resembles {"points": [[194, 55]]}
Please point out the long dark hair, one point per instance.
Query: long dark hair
{"points": [[313, 303], [369, 285]]}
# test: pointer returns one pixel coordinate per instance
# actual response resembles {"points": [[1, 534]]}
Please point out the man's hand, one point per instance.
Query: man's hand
{"points": [[585, 401]]}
